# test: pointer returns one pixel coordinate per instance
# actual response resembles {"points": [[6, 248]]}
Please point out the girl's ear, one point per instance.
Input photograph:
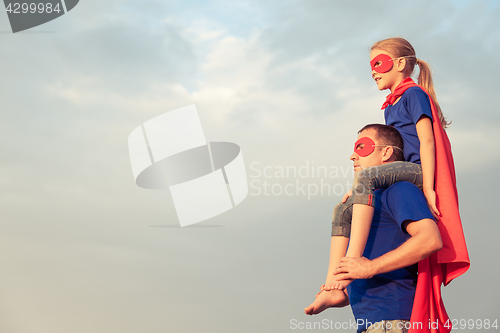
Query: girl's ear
{"points": [[401, 64]]}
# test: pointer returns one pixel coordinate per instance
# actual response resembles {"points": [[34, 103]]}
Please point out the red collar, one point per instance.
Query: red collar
{"points": [[400, 89]]}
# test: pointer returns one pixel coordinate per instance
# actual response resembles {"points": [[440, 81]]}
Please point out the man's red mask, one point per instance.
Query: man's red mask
{"points": [[364, 146], [381, 63]]}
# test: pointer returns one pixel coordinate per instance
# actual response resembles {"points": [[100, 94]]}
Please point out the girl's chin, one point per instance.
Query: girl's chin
{"points": [[381, 87]]}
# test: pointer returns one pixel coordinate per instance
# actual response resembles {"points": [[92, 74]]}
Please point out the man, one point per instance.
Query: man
{"points": [[402, 233]]}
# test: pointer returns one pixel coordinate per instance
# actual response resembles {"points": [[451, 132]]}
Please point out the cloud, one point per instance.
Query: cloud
{"points": [[288, 81]]}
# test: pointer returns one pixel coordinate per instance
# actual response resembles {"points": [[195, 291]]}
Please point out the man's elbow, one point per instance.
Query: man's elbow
{"points": [[438, 243], [431, 242], [434, 243], [429, 238]]}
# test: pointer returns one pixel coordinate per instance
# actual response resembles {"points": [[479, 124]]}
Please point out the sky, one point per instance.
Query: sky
{"points": [[83, 249]]}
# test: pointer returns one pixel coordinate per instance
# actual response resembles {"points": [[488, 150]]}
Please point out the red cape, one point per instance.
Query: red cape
{"points": [[429, 314]]}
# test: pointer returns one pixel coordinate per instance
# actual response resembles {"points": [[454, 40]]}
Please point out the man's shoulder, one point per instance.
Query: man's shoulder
{"points": [[403, 201], [402, 188], [401, 194]]}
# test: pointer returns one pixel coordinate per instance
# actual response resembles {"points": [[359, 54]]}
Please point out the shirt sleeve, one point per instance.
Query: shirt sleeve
{"points": [[407, 203], [417, 103]]}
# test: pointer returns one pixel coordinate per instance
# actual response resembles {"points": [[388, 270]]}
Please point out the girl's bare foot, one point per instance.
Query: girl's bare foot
{"points": [[328, 299]]}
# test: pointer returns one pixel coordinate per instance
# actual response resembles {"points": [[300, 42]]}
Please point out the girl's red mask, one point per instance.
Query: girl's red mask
{"points": [[381, 63]]}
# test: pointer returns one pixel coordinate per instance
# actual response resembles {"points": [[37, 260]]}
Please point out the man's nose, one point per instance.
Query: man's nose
{"points": [[353, 157]]}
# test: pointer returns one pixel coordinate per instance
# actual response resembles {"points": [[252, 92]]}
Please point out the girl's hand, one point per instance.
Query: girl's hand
{"points": [[430, 195], [346, 196]]}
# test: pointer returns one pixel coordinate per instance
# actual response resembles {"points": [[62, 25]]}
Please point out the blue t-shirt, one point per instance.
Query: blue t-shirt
{"points": [[389, 296], [404, 115]]}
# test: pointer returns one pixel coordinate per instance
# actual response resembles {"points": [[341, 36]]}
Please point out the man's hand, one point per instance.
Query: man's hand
{"points": [[354, 268], [336, 284], [321, 289], [424, 241]]}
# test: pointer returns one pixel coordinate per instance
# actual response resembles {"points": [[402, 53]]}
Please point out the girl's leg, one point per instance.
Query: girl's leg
{"points": [[335, 297], [341, 229], [382, 176], [365, 183], [341, 221], [331, 297], [362, 216]]}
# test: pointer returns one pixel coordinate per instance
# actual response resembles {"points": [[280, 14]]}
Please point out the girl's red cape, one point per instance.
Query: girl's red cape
{"points": [[429, 314]]}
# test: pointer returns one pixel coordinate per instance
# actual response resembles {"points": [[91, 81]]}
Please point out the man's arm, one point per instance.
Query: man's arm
{"points": [[425, 240]]}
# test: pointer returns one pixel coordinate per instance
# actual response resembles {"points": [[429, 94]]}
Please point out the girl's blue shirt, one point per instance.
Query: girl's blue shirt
{"points": [[404, 115]]}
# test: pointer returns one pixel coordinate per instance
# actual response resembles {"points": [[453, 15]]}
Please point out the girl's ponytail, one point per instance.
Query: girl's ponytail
{"points": [[400, 47], [425, 80]]}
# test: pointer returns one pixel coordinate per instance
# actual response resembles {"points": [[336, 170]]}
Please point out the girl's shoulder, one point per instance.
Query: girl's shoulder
{"points": [[417, 103], [415, 93]]}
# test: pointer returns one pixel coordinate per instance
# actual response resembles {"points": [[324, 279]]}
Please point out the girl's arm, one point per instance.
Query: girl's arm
{"points": [[427, 160]]}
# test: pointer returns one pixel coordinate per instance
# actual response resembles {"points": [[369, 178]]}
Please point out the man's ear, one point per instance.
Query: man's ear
{"points": [[387, 153]]}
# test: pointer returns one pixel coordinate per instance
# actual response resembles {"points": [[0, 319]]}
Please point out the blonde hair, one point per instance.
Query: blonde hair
{"points": [[400, 47]]}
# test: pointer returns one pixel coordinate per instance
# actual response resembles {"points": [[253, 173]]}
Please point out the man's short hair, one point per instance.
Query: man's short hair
{"points": [[388, 135]]}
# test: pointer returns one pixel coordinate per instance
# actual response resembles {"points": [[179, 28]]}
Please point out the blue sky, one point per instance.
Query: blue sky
{"points": [[85, 249]]}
